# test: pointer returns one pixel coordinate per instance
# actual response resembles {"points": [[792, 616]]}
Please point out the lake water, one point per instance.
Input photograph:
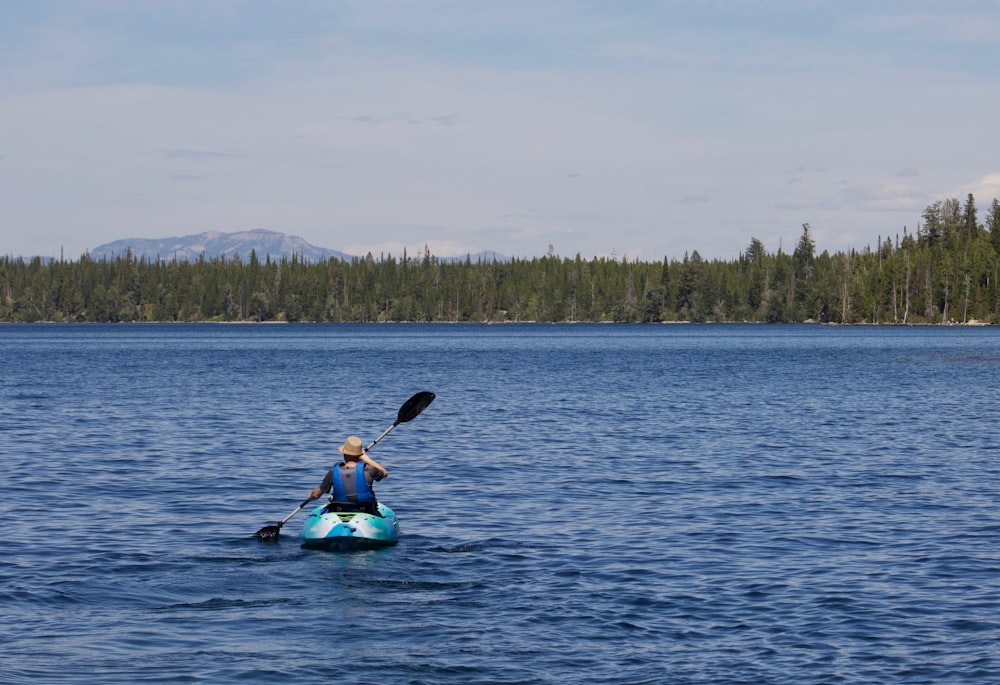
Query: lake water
{"points": [[581, 504]]}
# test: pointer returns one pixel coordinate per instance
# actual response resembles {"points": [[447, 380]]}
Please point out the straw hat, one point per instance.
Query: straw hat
{"points": [[352, 447]]}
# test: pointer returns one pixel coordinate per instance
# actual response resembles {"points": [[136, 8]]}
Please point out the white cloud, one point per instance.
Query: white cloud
{"points": [[984, 190], [889, 196]]}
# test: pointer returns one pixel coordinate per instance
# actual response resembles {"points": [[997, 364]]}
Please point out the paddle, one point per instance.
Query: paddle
{"points": [[410, 410]]}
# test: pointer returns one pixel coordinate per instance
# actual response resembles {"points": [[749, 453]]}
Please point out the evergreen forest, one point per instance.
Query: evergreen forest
{"points": [[948, 271]]}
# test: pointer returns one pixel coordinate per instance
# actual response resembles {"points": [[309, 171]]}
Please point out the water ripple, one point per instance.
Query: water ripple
{"points": [[586, 504]]}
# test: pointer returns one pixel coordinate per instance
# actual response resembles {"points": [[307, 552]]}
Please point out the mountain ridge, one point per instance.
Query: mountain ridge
{"points": [[218, 244]]}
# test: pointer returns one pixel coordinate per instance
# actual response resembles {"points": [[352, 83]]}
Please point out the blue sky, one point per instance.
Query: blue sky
{"points": [[635, 129]]}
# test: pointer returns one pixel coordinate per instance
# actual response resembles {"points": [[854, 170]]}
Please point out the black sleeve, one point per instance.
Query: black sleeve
{"points": [[372, 474], [327, 482]]}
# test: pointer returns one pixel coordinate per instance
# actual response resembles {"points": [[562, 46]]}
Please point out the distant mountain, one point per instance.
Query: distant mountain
{"points": [[214, 244]]}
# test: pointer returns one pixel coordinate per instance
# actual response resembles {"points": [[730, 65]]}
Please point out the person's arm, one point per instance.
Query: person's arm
{"points": [[374, 464]]}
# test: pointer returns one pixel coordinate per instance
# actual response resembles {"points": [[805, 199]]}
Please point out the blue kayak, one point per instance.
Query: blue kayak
{"points": [[337, 527]]}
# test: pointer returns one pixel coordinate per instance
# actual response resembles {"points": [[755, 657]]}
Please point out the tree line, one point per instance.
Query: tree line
{"points": [[947, 271]]}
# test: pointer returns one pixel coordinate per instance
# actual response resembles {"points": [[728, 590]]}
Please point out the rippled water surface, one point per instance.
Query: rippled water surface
{"points": [[581, 504]]}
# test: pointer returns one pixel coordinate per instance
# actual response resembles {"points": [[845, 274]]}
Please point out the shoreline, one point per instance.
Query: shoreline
{"points": [[972, 323]]}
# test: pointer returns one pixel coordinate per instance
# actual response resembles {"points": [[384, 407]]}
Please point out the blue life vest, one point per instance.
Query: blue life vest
{"points": [[358, 491]]}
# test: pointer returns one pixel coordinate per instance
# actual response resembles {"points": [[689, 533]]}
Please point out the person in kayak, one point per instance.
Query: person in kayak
{"points": [[351, 480]]}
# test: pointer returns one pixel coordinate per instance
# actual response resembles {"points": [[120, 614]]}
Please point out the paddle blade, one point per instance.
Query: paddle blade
{"points": [[271, 533], [413, 406], [268, 533]]}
